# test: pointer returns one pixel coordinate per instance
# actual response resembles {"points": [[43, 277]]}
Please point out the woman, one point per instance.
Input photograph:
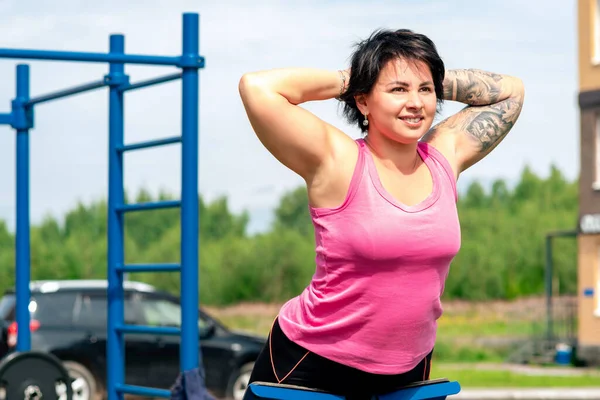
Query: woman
{"points": [[383, 206]]}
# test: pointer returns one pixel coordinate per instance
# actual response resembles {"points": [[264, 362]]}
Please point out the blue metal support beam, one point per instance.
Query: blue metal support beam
{"points": [[21, 118], [115, 346], [153, 205], [93, 57], [6, 119], [67, 92], [22, 123], [149, 330], [150, 143], [149, 268], [189, 350], [152, 82], [143, 391]]}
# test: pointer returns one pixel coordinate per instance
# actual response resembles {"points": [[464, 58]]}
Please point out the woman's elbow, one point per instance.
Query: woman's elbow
{"points": [[518, 88]]}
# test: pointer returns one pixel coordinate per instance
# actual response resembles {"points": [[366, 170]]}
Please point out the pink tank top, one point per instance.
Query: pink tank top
{"points": [[381, 266]]}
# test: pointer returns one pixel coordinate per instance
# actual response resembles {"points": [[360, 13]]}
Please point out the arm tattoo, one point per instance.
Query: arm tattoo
{"points": [[494, 105], [488, 125], [474, 87]]}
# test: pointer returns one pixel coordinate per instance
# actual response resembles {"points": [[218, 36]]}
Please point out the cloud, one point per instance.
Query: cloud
{"points": [[534, 40]]}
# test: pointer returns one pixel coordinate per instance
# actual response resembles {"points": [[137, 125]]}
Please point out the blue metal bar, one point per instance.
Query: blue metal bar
{"points": [[189, 349], [115, 342], [6, 119], [143, 391], [111, 57], [154, 205], [151, 143], [431, 391], [271, 391], [149, 268], [23, 271], [149, 330], [151, 82], [67, 92]]}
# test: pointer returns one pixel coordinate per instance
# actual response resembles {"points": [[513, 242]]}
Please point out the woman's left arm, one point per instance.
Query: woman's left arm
{"points": [[494, 105]]}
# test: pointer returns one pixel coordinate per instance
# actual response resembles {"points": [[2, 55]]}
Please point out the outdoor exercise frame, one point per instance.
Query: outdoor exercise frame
{"points": [[21, 119]]}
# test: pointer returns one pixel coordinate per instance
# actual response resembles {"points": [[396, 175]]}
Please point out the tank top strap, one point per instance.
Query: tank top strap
{"points": [[357, 177], [427, 150], [359, 170]]}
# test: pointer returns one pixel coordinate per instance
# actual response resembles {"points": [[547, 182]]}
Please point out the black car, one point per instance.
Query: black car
{"points": [[68, 319]]}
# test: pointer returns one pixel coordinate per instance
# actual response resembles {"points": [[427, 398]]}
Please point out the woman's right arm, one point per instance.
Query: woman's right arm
{"points": [[296, 137]]}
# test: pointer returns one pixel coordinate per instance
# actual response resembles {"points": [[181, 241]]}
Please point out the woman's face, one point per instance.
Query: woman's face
{"points": [[402, 104]]}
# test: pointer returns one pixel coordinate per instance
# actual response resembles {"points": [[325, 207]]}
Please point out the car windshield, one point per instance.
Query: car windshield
{"points": [[7, 307]]}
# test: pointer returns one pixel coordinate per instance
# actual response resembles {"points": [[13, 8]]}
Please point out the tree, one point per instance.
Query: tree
{"points": [[293, 212]]}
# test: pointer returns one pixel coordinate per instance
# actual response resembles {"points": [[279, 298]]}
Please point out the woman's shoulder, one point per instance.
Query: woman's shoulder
{"points": [[442, 150]]}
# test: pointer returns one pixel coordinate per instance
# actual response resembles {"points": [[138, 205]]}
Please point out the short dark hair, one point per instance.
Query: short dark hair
{"points": [[372, 54]]}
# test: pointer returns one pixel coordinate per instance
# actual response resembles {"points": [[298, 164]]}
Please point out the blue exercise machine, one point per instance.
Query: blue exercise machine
{"points": [[21, 119], [436, 389]]}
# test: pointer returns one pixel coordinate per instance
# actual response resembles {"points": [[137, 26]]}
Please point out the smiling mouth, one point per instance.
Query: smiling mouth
{"points": [[412, 120]]}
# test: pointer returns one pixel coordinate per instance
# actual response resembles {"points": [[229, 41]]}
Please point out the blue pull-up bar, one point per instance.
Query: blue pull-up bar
{"points": [[22, 54], [21, 118]]}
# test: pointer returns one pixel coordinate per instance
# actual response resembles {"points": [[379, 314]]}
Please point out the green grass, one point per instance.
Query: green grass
{"points": [[456, 351], [251, 323], [453, 350], [464, 325], [475, 326], [460, 329], [456, 332], [471, 378]]}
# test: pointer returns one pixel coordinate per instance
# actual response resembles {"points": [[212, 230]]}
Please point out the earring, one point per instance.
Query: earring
{"points": [[365, 121]]}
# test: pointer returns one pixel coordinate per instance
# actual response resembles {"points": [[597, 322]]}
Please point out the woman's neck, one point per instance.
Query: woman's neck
{"points": [[394, 155]]}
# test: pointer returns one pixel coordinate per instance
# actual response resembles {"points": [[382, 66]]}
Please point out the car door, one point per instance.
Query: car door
{"points": [[165, 310], [157, 311], [92, 315]]}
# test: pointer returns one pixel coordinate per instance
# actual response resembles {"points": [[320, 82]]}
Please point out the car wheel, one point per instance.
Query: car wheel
{"points": [[239, 382], [85, 386]]}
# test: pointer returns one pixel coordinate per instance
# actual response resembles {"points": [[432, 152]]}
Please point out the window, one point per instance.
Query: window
{"points": [[163, 312], [160, 312], [7, 307], [49, 309], [91, 310], [596, 183], [596, 33], [53, 308]]}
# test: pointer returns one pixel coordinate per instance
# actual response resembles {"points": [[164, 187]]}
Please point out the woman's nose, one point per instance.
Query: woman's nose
{"points": [[414, 100]]}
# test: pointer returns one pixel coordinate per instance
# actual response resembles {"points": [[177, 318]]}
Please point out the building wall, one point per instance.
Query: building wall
{"points": [[589, 180], [589, 193], [589, 57], [588, 305]]}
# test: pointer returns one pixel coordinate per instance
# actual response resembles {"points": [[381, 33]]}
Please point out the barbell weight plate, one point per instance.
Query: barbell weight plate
{"points": [[27, 375]]}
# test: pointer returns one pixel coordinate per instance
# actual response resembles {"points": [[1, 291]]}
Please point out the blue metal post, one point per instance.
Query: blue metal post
{"points": [[22, 125], [115, 347], [189, 348]]}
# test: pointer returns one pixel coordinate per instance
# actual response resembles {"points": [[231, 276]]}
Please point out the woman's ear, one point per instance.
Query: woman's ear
{"points": [[361, 103]]}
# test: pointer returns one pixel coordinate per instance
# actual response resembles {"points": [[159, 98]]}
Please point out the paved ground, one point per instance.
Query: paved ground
{"points": [[528, 394], [529, 369], [532, 393]]}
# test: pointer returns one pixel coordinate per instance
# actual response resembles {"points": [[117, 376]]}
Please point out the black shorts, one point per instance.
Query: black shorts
{"points": [[294, 365]]}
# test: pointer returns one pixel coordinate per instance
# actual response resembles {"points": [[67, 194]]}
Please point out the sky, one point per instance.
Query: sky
{"points": [[534, 40]]}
